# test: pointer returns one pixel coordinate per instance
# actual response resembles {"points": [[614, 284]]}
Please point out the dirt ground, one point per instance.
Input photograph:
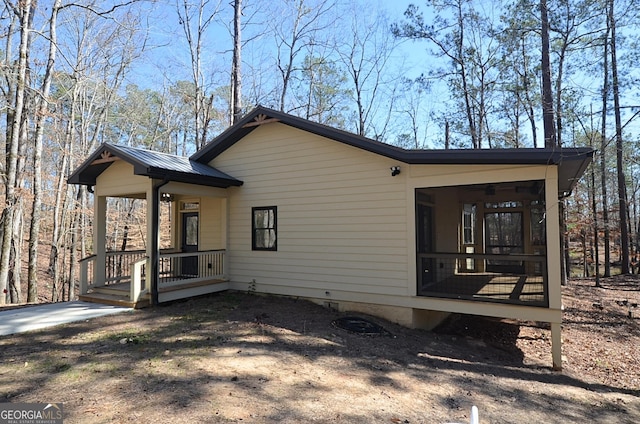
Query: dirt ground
{"points": [[236, 357]]}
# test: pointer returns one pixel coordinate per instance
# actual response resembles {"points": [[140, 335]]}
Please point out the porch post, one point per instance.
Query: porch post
{"points": [[152, 245], [554, 257], [99, 237], [153, 235], [556, 345], [225, 236]]}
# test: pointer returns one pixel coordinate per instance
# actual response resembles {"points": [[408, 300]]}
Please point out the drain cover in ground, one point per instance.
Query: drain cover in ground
{"points": [[360, 326]]}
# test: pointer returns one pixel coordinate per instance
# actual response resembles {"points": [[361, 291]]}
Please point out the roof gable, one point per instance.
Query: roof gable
{"points": [[261, 116], [150, 164]]}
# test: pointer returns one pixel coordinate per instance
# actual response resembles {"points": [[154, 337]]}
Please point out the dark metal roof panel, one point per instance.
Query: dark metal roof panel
{"points": [[169, 162], [448, 156], [571, 161], [153, 165]]}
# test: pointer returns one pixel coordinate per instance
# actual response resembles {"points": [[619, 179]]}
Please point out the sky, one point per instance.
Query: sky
{"points": [[167, 47], [167, 57]]}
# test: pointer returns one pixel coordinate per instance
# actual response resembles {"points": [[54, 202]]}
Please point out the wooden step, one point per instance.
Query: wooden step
{"points": [[115, 300], [121, 289]]}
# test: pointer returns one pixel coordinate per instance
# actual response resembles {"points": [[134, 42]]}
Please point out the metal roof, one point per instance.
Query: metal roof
{"points": [[153, 165], [571, 162]]}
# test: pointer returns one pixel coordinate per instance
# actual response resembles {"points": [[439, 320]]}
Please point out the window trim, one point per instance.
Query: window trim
{"points": [[254, 230]]}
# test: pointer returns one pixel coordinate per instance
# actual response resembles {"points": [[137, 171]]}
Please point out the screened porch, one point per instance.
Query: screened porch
{"points": [[492, 249]]}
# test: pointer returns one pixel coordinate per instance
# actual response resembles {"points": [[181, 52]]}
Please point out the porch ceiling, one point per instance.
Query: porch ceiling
{"points": [[151, 164]]}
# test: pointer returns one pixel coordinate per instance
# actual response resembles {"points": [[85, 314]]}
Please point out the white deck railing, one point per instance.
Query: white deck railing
{"points": [[175, 269], [117, 269]]}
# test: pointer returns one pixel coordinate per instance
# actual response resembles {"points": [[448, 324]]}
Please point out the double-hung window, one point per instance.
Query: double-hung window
{"points": [[264, 228]]}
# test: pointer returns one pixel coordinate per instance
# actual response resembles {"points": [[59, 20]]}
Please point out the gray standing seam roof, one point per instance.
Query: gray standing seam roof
{"points": [[571, 162], [154, 165]]}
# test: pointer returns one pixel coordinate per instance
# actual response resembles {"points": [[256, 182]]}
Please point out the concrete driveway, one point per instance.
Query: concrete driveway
{"points": [[35, 317]]}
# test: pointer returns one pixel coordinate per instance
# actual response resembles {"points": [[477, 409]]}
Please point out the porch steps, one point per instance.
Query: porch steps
{"points": [[109, 298]]}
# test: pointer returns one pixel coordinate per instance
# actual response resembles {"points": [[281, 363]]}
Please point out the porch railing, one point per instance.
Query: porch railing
{"points": [[117, 269], [139, 285], [186, 268], [514, 278], [175, 269]]}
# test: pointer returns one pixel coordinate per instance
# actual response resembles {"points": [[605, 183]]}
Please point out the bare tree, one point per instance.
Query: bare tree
{"points": [[294, 30], [236, 72], [23, 9], [98, 59], [571, 25], [603, 153], [195, 19], [41, 113], [366, 53], [550, 139], [622, 187], [518, 73], [462, 40]]}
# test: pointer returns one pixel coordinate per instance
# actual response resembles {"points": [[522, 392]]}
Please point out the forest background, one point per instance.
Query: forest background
{"points": [[170, 75]]}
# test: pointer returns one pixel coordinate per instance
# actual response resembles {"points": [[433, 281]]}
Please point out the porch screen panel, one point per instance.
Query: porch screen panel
{"points": [[469, 211], [504, 236]]}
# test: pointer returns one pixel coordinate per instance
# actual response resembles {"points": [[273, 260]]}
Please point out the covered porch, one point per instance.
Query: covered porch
{"points": [[492, 249], [180, 249], [125, 277]]}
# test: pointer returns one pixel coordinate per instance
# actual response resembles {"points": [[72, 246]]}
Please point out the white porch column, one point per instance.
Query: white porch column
{"points": [[99, 239], [226, 207], [151, 234], [554, 256]]}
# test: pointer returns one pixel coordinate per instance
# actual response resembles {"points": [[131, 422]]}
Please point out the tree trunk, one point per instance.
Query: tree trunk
{"points": [[603, 154], [73, 254], [24, 8], [622, 186], [529, 103], [594, 217], [236, 74], [547, 95], [15, 290], [41, 114]]}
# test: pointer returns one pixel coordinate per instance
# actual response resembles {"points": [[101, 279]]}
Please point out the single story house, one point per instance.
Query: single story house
{"points": [[281, 205]]}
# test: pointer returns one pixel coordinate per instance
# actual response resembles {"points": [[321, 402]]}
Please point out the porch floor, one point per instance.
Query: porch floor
{"points": [[118, 294], [516, 288]]}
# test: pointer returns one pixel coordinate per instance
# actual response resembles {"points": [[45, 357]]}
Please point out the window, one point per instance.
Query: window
{"points": [[469, 223], [503, 205], [538, 217], [264, 228], [189, 206]]}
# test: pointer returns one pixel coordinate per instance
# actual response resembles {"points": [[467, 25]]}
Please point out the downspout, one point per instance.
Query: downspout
{"points": [[155, 246]]}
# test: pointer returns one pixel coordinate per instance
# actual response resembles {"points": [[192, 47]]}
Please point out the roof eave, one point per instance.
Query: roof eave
{"points": [[209, 181]]}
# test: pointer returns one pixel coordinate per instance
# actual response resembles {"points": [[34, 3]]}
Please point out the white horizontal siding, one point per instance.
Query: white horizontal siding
{"points": [[341, 216]]}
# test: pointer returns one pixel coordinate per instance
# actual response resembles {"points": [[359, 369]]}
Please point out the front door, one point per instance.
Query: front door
{"points": [[189, 264], [504, 236]]}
